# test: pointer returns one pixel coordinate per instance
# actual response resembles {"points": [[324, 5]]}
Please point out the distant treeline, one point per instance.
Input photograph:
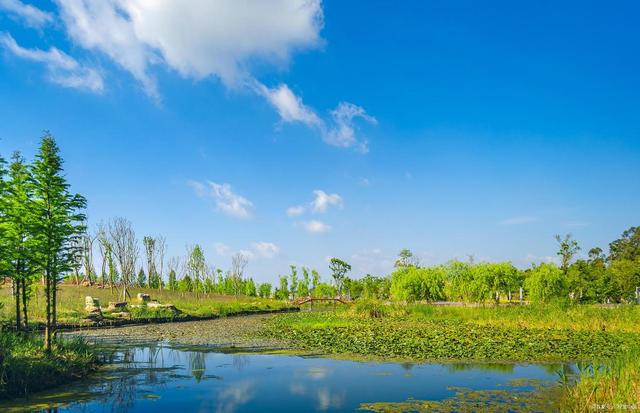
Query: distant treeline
{"points": [[598, 278]]}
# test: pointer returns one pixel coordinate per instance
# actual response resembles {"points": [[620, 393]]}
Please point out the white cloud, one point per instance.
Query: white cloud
{"points": [[32, 16], [62, 68], [225, 199], [198, 38], [316, 227], [265, 249], [261, 249], [532, 259], [339, 131], [221, 249], [343, 132], [518, 220], [295, 211], [323, 200], [289, 106], [372, 261]]}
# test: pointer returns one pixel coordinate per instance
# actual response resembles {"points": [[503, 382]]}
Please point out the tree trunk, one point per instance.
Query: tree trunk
{"points": [[16, 292], [47, 292], [25, 319], [54, 299]]}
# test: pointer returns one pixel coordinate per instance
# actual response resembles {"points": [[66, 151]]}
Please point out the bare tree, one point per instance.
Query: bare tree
{"points": [[175, 267], [126, 250], [161, 247], [239, 263], [88, 240], [104, 246]]}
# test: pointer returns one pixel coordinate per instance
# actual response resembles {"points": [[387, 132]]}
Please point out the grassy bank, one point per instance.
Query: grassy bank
{"points": [[26, 368], [71, 302], [612, 385]]}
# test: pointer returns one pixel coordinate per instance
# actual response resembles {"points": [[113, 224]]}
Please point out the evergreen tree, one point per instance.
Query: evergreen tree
{"points": [[58, 224], [172, 280], [19, 233], [142, 279]]}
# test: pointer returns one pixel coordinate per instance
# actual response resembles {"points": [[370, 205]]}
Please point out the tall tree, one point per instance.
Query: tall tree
{"points": [[126, 250], [568, 248], [19, 233], [406, 259], [196, 267], [150, 253], [239, 263], [104, 247], [88, 241], [161, 248], [4, 258], [339, 270], [294, 281], [57, 222], [627, 246]]}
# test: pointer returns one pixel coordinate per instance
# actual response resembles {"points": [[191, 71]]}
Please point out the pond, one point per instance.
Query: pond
{"points": [[158, 377]]}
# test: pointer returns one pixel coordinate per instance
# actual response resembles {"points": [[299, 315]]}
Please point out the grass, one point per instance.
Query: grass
{"points": [[559, 316], [26, 368], [71, 302], [612, 385], [446, 339], [605, 341]]}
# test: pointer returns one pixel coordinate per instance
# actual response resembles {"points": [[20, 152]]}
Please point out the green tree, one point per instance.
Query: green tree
{"points": [[293, 286], [250, 288], [315, 280], [141, 281], [545, 282], [282, 292], [150, 253], [196, 267], [339, 270], [627, 246], [303, 285], [406, 259], [19, 230], [568, 248], [58, 224], [172, 280], [264, 290]]}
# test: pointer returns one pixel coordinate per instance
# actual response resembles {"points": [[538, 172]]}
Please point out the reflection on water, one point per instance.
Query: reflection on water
{"points": [[158, 377]]}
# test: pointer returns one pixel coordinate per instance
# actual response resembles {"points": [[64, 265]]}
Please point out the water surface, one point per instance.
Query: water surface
{"points": [[160, 377]]}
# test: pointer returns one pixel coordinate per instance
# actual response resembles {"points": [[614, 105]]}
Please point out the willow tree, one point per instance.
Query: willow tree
{"points": [[58, 225]]}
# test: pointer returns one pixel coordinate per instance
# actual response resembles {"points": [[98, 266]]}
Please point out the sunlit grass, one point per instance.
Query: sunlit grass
{"points": [[71, 302]]}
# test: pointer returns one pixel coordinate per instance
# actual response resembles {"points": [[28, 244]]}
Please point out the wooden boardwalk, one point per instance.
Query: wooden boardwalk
{"points": [[305, 300]]}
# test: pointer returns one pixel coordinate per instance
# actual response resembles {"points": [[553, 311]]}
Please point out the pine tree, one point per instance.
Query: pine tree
{"points": [[172, 280], [142, 279], [58, 224], [19, 233], [4, 258]]}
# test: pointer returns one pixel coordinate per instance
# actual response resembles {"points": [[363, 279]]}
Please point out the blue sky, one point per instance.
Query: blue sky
{"points": [[300, 130]]}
